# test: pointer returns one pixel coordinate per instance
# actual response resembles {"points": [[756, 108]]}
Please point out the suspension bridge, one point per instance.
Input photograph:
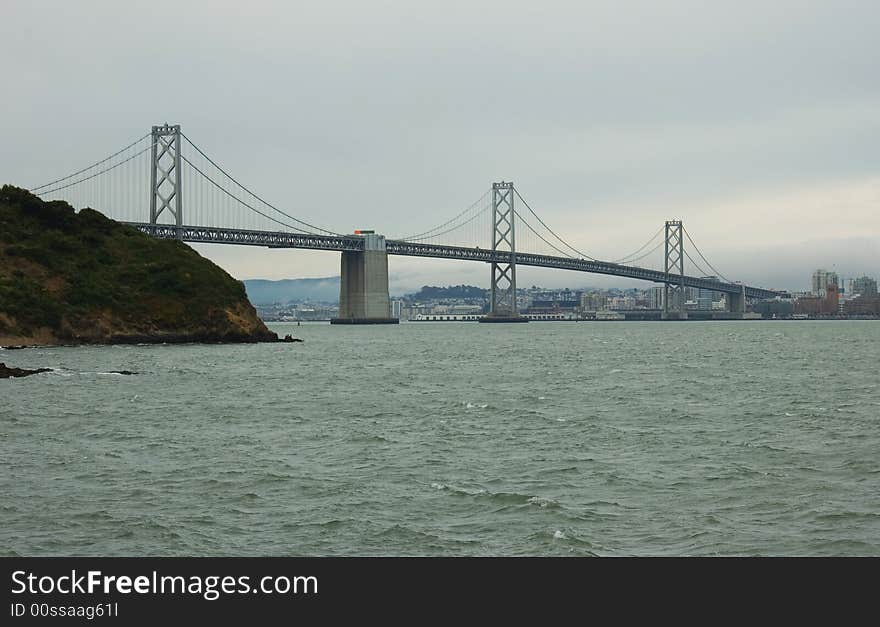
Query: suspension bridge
{"points": [[166, 186]]}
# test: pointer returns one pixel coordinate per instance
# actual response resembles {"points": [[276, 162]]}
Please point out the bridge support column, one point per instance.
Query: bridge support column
{"points": [[502, 303], [674, 292], [363, 287], [736, 303]]}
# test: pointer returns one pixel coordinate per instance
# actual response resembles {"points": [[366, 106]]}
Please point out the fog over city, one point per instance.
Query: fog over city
{"points": [[756, 123]]}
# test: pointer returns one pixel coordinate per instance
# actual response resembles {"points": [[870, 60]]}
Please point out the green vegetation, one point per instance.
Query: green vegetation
{"points": [[85, 277]]}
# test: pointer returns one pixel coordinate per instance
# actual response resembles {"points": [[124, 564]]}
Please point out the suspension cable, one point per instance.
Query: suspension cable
{"points": [[650, 252], [645, 245], [236, 198], [229, 176], [449, 230], [579, 253], [703, 257], [94, 165], [420, 235], [116, 165], [529, 226], [696, 265]]}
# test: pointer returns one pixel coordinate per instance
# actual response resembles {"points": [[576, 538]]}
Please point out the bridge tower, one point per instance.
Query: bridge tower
{"points": [[674, 292], [502, 303], [165, 175]]}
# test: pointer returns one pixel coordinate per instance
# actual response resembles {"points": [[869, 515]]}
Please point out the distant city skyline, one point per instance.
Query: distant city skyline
{"points": [[400, 286], [757, 124], [313, 300], [863, 284]]}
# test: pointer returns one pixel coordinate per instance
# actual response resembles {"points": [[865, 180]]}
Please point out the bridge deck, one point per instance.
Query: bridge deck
{"points": [[274, 239]]}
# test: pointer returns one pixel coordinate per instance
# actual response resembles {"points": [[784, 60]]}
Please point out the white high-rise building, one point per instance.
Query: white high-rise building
{"points": [[655, 298], [821, 280]]}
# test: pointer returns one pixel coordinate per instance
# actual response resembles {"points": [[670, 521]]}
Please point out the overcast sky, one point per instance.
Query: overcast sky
{"points": [[757, 123]]}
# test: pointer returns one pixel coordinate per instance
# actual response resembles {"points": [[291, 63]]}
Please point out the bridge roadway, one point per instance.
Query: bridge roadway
{"points": [[281, 239]]}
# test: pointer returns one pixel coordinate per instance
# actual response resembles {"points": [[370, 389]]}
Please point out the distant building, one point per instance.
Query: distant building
{"points": [[552, 306], [594, 301], [396, 308], [464, 310], [702, 299], [708, 298], [826, 305], [655, 297], [865, 286], [413, 311], [862, 306], [821, 280], [622, 302], [778, 308]]}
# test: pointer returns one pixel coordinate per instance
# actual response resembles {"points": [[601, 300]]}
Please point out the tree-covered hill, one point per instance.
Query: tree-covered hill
{"points": [[79, 277]]}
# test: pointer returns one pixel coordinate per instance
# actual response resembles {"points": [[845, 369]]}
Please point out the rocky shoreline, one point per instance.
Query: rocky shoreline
{"points": [[170, 339], [8, 372], [198, 337]]}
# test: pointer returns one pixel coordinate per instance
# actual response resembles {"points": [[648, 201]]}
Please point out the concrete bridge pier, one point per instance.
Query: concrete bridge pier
{"points": [[673, 303], [736, 303], [363, 289]]}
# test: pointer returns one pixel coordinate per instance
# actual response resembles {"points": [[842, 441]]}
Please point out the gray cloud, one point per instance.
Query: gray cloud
{"points": [[758, 123]]}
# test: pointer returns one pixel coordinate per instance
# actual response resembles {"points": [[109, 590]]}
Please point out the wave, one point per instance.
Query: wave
{"points": [[542, 502], [566, 537], [457, 490], [368, 438], [500, 498]]}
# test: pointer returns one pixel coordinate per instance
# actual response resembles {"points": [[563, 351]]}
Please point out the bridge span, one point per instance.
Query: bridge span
{"points": [[356, 243], [182, 180]]}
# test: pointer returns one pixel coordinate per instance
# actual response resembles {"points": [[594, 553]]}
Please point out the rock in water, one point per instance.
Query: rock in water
{"points": [[6, 372], [70, 277]]}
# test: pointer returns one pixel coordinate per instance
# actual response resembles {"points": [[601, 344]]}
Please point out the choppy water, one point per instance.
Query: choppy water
{"points": [[737, 438]]}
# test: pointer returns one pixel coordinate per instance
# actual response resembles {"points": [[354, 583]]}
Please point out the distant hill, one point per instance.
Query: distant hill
{"points": [[265, 292], [79, 277]]}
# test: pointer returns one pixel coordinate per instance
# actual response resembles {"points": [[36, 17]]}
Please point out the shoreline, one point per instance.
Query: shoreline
{"points": [[213, 340], [140, 341], [694, 319]]}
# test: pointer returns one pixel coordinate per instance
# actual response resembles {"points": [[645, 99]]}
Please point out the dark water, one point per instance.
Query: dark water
{"points": [[738, 438]]}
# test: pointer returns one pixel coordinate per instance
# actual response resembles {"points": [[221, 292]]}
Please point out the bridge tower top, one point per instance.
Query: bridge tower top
{"points": [[166, 174]]}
